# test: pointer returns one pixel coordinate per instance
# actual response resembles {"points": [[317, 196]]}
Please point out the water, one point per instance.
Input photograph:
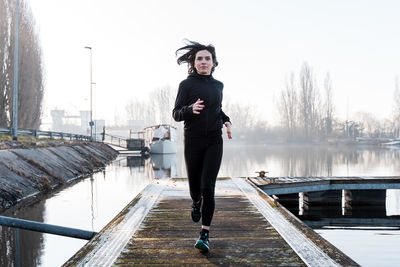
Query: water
{"points": [[91, 203], [367, 247]]}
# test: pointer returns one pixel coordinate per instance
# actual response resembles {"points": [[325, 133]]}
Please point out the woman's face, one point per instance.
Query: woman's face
{"points": [[203, 62]]}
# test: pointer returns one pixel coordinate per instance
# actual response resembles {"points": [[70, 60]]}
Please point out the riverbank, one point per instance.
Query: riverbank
{"points": [[26, 170]]}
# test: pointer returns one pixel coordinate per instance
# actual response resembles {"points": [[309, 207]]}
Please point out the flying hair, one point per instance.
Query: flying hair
{"points": [[189, 54]]}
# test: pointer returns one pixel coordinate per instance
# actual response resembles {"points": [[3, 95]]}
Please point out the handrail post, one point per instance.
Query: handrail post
{"points": [[17, 249]]}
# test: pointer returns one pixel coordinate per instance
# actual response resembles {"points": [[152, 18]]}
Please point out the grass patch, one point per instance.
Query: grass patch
{"points": [[5, 137], [26, 141]]}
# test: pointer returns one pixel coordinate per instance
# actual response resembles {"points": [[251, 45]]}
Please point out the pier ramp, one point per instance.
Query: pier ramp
{"points": [[248, 229]]}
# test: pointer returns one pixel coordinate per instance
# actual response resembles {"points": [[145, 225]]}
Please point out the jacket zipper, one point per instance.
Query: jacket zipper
{"points": [[208, 98]]}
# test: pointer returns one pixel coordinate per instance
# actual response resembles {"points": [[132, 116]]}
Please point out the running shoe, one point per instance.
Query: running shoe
{"points": [[196, 211], [203, 244]]}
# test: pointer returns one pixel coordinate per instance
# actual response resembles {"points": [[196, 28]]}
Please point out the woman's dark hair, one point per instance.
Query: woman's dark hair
{"points": [[190, 51]]}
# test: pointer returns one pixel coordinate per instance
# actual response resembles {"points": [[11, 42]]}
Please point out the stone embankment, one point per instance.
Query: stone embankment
{"points": [[25, 172]]}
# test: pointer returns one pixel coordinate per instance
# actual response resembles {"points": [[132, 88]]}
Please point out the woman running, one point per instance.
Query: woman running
{"points": [[198, 104]]}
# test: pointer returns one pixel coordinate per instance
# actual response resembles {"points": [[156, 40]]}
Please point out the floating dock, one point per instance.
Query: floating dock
{"points": [[248, 229], [290, 185]]}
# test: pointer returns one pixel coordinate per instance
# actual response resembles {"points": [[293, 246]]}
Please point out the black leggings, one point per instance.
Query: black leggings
{"points": [[203, 158]]}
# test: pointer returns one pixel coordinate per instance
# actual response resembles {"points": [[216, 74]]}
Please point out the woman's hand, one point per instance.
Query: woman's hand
{"points": [[228, 129], [197, 106]]}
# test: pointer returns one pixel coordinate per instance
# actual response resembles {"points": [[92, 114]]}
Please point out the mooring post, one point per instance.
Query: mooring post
{"points": [[346, 202], [303, 203]]}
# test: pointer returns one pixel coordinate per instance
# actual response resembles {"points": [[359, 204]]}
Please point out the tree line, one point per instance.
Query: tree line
{"points": [[305, 109], [30, 66], [304, 112], [307, 114], [157, 109]]}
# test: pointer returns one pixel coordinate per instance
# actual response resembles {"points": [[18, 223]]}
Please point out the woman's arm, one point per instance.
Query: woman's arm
{"points": [[181, 111], [224, 117], [227, 122]]}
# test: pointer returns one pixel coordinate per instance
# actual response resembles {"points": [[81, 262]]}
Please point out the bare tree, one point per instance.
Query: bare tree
{"points": [[309, 103], [288, 107], [328, 112], [388, 128], [242, 115], [396, 106], [140, 111], [4, 79], [162, 101], [156, 110], [30, 74], [370, 123]]}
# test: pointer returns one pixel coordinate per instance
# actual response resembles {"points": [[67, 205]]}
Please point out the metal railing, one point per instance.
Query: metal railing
{"points": [[44, 134], [43, 228], [115, 140], [46, 228]]}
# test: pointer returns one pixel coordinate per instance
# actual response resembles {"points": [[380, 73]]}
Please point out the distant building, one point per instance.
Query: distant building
{"points": [[57, 116], [79, 124]]}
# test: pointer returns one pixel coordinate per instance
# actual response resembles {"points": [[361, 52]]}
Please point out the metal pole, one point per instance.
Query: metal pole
{"points": [[94, 113], [15, 105], [91, 97], [91, 94], [17, 249], [46, 228]]}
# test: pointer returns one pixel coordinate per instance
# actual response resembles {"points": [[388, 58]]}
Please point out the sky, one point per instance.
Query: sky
{"points": [[258, 44]]}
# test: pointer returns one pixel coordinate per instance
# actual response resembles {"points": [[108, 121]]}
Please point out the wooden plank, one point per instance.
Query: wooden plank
{"points": [[156, 229], [307, 250], [239, 235], [107, 245]]}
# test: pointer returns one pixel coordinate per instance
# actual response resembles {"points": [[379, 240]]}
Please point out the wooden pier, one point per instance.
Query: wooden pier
{"points": [[290, 185], [248, 229]]}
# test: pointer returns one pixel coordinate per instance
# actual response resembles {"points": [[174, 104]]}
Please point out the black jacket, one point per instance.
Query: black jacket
{"points": [[210, 120]]}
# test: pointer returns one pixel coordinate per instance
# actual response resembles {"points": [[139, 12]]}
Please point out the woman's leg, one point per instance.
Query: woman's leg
{"points": [[194, 164], [211, 165]]}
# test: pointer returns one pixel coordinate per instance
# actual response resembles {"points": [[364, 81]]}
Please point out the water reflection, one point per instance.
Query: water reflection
{"points": [[163, 166], [157, 166], [89, 204], [92, 203], [30, 243], [303, 161], [306, 161], [136, 162]]}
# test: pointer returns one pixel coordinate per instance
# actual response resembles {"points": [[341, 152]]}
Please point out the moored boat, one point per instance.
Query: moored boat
{"points": [[161, 139]]}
